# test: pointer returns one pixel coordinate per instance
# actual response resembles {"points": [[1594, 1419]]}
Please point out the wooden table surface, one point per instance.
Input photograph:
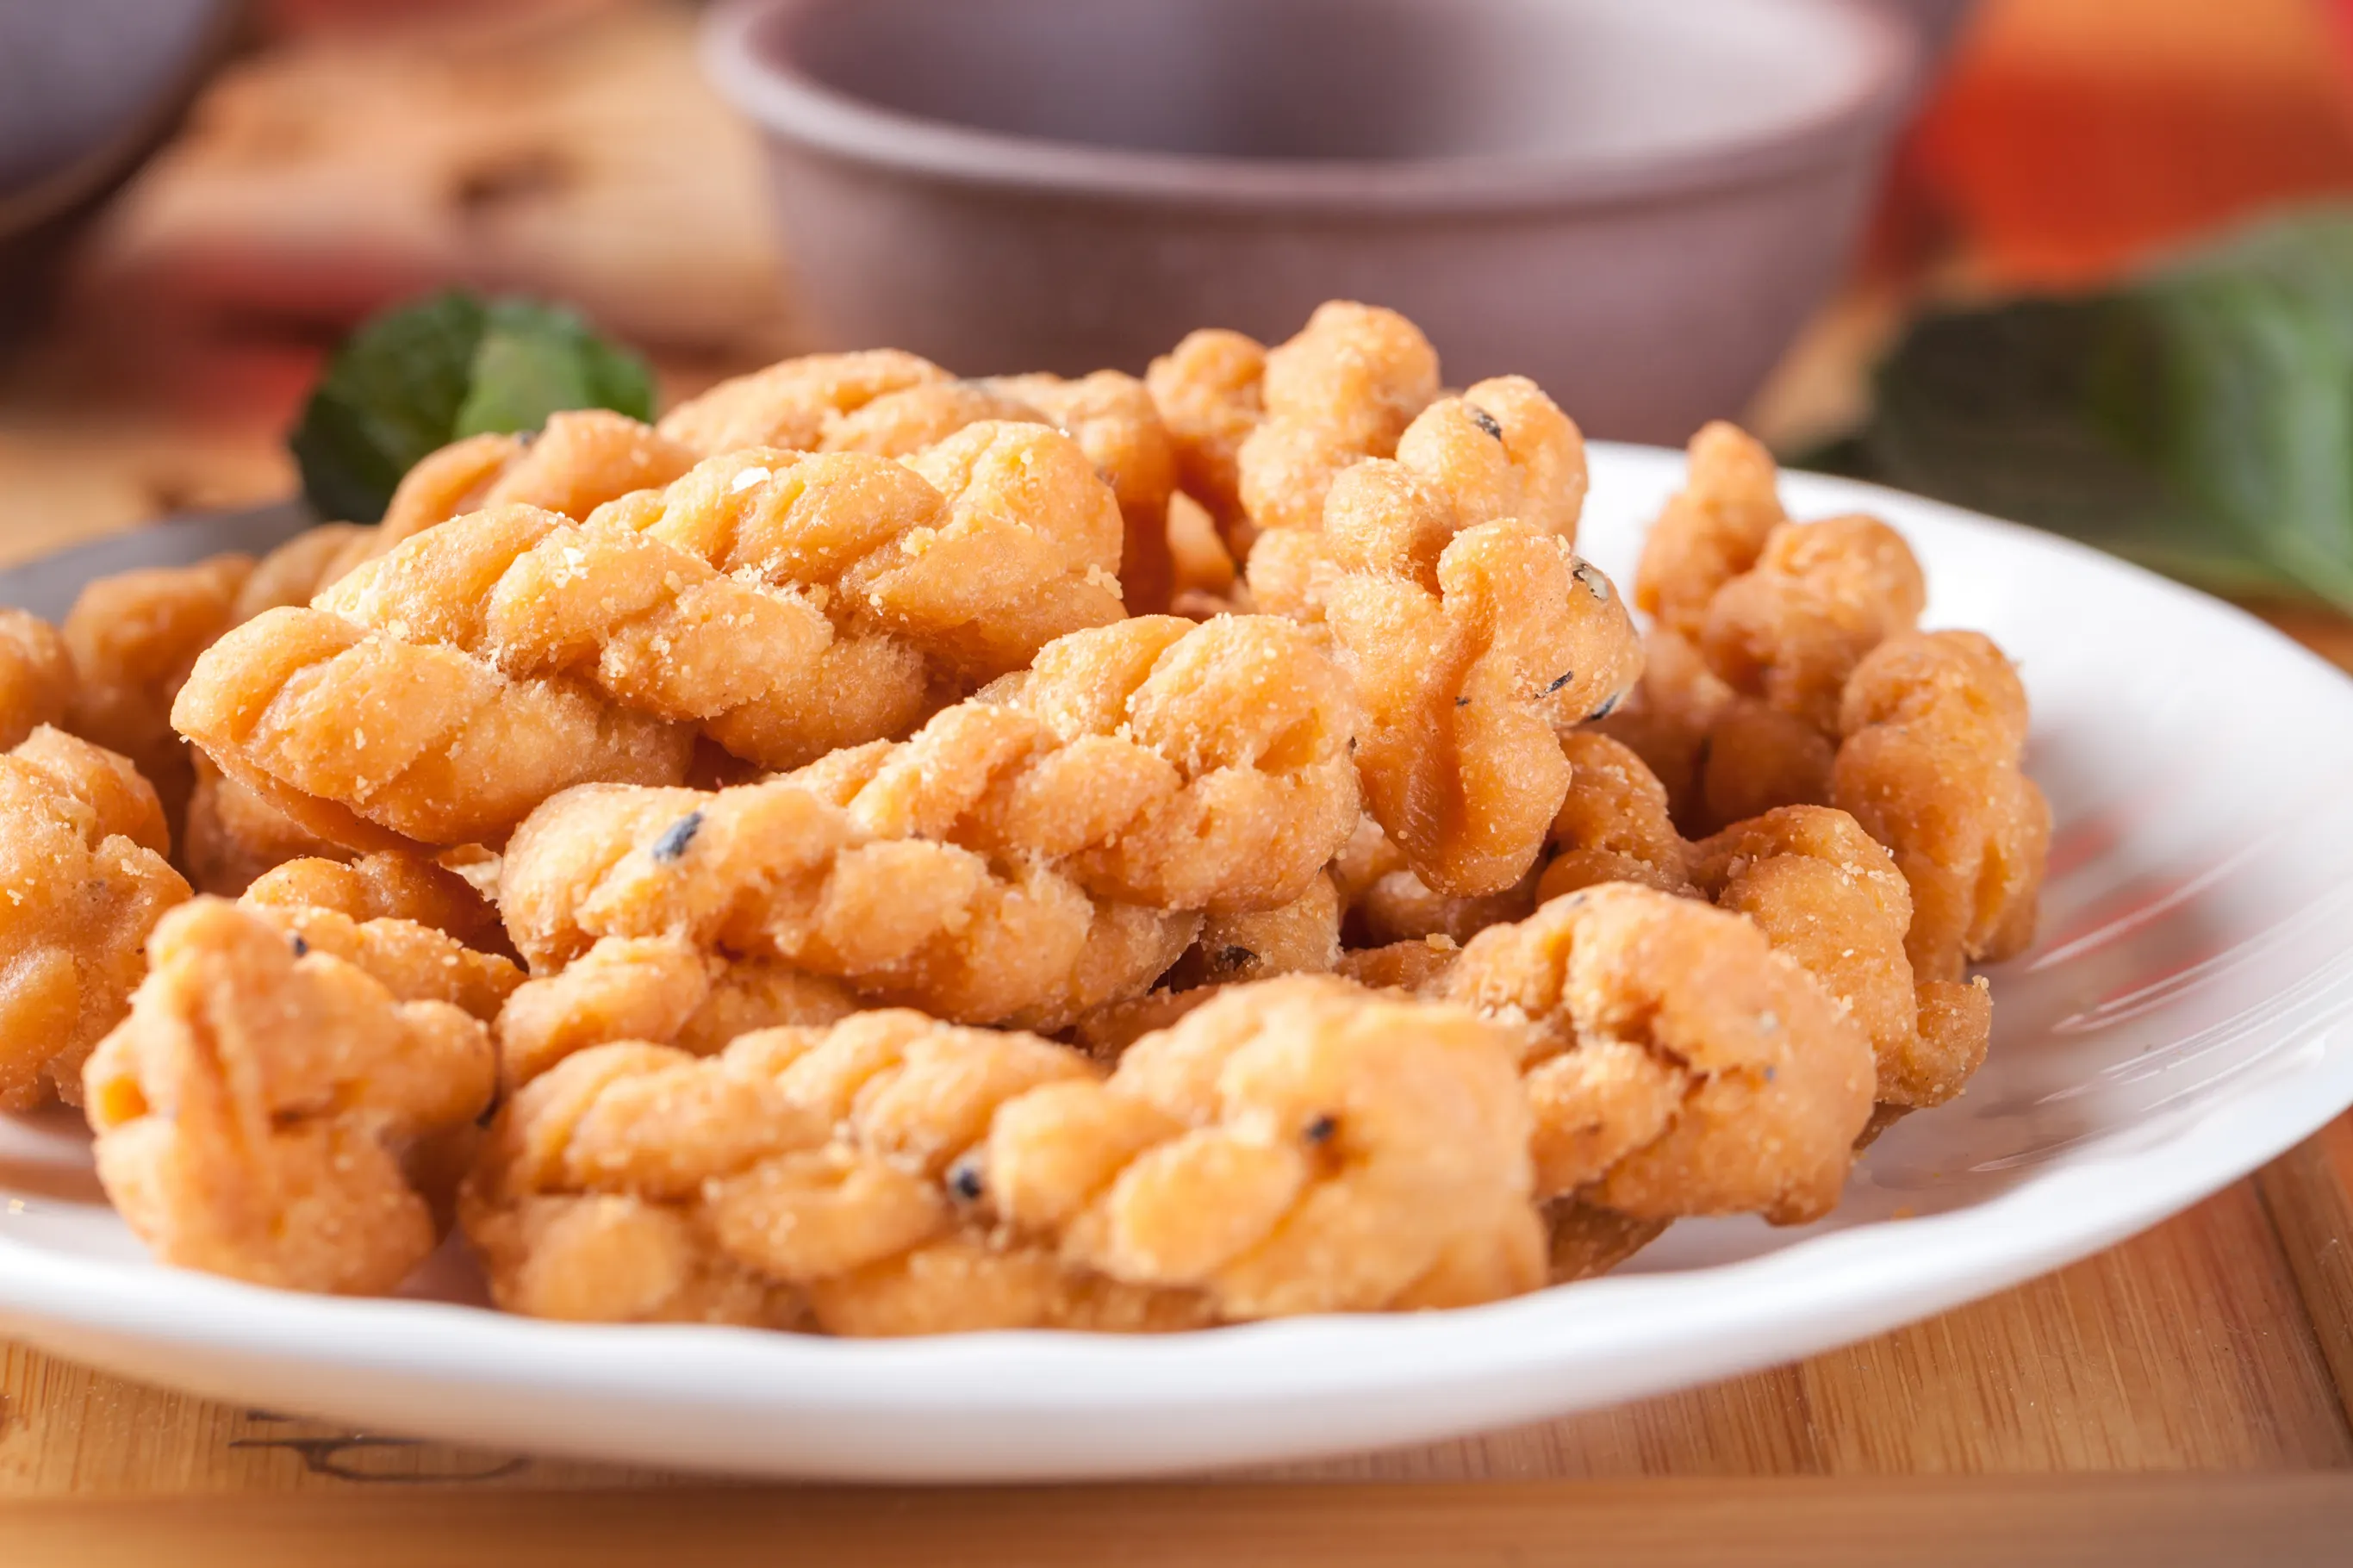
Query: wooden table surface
{"points": [[2187, 1396]]}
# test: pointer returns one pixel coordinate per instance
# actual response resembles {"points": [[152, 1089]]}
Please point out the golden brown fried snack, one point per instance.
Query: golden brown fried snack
{"points": [[955, 566], [1758, 623], [81, 836], [371, 743], [790, 404], [1676, 1064], [267, 1114], [1031, 853], [1587, 1241], [37, 676], [1613, 826], [1302, 937], [1260, 433], [1712, 529], [397, 885], [1109, 415], [1830, 898], [1298, 1145], [233, 835], [662, 990], [413, 961], [1342, 391], [1475, 637], [576, 463], [1384, 901], [299, 568], [1936, 727], [1293, 1147], [797, 1179], [1210, 391], [134, 636], [1790, 630], [653, 630], [1668, 718]]}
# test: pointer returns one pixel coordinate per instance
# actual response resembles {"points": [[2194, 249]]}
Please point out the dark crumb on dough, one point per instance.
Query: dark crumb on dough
{"points": [[1321, 1130], [672, 845], [1484, 420]]}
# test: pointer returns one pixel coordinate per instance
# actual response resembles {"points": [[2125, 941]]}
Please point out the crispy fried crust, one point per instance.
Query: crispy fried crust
{"points": [[797, 1179], [1829, 897], [1676, 1064], [390, 885], [1712, 529], [966, 559], [1260, 433], [1758, 623], [1296, 1146], [1936, 726], [654, 630], [38, 680], [1612, 826], [1475, 634], [1110, 415], [662, 990], [1210, 391], [81, 836], [790, 404], [233, 835], [1030, 853], [263, 1115], [371, 743], [134, 636]]}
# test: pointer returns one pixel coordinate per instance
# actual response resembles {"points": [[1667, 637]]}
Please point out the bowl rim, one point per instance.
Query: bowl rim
{"points": [[786, 102]]}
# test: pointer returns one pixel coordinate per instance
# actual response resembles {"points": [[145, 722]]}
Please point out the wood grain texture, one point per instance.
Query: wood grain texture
{"points": [[2285, 1522]]}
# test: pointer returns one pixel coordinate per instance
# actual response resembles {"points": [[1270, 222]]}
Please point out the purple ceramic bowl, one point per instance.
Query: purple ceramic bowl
{"points": [[1637, 203]]}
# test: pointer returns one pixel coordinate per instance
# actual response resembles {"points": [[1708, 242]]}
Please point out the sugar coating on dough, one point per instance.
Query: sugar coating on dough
{"points": [[1474, 631], [373, 743], [270, 1115], [789, 405], [798, 1178], [38, 680], [1036, 851], [1296, 1146], [1935, 727], [1676, 1064], [81, 865], [1261, 433], [662, 990]]}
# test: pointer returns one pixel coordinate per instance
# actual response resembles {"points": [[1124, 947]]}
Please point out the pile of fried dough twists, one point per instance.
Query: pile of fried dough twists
{"points": [[877, 853]]}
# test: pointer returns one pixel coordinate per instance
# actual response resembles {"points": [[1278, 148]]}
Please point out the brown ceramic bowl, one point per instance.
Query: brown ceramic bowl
{"points": [[1636, 202]]}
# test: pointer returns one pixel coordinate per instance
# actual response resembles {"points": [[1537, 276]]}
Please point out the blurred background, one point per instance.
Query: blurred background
{"points": [[279, 170]]}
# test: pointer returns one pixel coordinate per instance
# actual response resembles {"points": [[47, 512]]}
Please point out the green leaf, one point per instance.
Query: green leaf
{"points": [[2198, 420], [418, 376]]}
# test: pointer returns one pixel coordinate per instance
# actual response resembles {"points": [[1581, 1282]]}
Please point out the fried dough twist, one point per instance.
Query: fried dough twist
{"points": [[1260, 433], [1676, 1064], [1037, 850], [1110, 415], [799, 1178], [1296, 1146], [1474, 631], [270, 1114], [1830, 898], [37, 678], [370, 742], [81, 864], [1936, 727], [1760, 621]]}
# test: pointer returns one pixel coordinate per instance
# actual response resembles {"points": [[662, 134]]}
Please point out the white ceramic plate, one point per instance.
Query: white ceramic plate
{"points": [[2186, 1015]]}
